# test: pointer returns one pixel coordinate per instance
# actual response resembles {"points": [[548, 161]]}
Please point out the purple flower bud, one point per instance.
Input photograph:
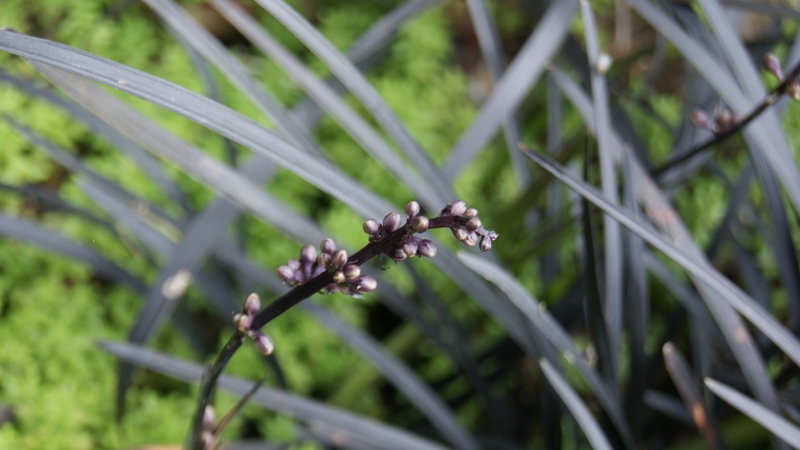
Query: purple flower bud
{"points": [[773, 65], [486, 244], [324, 259], [209, 417], [392, 222], [207, 439], [398, 254], [471, 239], [460, 233], [293, 264], [724, 121], [338, 277], [242, 322], [328, 246], [410, 248], [471, 212], [340, 258], [793, 90], [473, 224], [412, 209], [426, 248], [352, 272], [371, 227], [367, 284], [263, 343], [252, 304], [700, 120], [455, 209], [308, 253], [420, 224], [286, 274]]}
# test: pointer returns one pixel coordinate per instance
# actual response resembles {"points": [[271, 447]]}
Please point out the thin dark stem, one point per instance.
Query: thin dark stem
{"points": [[768, 101], [286, 301]]}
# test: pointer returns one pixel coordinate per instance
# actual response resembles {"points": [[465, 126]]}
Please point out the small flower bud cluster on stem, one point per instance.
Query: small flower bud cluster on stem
{"points": [[207, 437], [244, 321], [471, 232], [409, 245], [347, 278], [773, 65], [723, 122]]}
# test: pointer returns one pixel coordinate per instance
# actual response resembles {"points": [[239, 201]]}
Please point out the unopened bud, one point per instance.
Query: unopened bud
{"points": [[455, 209], [286, 274], [371, 227], [471, 212], [242, 321], [420, 224], [486, 244], [324, 259], [392, 222], [471, 239], [460, 233], [426, 248], [412, 209], [367, 284], [773, 65], [352, 272], [793, 90], [252, 304], [263, 343], [308, 253], [328, 246], [209, 417], [473, 224], [398, 254], [700, 119], [293, 264], [410, 248], [338, 277], [340, 258]]}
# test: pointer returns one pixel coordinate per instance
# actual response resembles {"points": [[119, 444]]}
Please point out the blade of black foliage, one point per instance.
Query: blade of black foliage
{"points": [[426, 400], [659, 209], [55, 242], [327, 99], [594, 434], [212, 50], [692, 396], [75, 165], [549, 262], [456, 344], [766, 135], [365, 50], [732, 295], [706, 334], [491, 47], [56, 203], [636, 309], [593, 302], [776, 424], [667, 405], [380, 436], [332, 437], [197, 108], [512, 88], [611, 310], [541, 320], [744, 70], [754, 281], [358, 85], [142, 158]]}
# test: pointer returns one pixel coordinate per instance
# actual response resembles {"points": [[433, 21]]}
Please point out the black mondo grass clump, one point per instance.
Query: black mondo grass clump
{"points": [[640, 163]]}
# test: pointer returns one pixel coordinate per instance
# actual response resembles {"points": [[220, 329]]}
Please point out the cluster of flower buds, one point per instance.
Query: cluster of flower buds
{"points": [[723, 122], [244, 320], [470, 231], [410, 245], [207, 436], [347, 278], [773, 65]]}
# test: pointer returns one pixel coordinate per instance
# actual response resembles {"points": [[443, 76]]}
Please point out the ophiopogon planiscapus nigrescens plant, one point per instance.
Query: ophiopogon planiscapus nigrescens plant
{"points": [[332, 270]]}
